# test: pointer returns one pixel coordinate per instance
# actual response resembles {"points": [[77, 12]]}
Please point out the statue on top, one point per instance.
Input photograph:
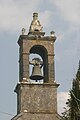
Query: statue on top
{"points": [[35, 24]]}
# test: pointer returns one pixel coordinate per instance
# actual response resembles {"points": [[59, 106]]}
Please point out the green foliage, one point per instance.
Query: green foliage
{"points": [[73, 103]]}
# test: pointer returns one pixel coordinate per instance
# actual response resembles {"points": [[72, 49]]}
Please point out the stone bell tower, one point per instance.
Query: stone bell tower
{"points": [[36, 100]]}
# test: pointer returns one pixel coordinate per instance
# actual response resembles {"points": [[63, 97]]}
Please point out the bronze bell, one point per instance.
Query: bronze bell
{"points": [[36, 71]]}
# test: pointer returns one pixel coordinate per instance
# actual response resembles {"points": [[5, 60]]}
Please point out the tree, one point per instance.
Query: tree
{"points": [[73, 103]]}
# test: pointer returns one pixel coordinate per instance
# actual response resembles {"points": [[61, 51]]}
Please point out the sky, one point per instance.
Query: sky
{"points": [[61, 16]]}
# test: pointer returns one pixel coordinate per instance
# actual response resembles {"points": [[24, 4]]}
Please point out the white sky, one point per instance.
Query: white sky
{"points": [[61, 16]]}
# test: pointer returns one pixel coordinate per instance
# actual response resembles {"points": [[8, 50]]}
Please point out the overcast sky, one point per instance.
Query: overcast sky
{"points": [[61, 16]]}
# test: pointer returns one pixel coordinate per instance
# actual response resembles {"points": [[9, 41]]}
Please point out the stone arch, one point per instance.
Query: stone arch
{"points": [[42, 51]]}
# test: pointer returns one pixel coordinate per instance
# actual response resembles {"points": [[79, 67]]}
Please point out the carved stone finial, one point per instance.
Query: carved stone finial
{"points": [[35, 16], [23, 31], [35, 24], [52, 33]]}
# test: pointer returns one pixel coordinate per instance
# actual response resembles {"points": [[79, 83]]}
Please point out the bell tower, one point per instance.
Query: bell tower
{"points": [[36, 92]]}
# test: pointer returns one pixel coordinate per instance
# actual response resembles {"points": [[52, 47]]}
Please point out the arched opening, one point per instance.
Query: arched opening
{"points": [[41, 52]]}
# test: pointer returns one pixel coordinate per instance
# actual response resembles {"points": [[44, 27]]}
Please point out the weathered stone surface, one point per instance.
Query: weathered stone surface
{"points": [[41, 47], [37, 97], [39, 101], [34, 116], [36, 101]]}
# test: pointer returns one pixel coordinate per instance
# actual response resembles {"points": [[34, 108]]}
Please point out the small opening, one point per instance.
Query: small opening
{"points": [[42, 52], [36, 30]]}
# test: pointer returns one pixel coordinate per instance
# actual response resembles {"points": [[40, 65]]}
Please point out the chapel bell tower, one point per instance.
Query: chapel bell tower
{"points": [[37, 89]]}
